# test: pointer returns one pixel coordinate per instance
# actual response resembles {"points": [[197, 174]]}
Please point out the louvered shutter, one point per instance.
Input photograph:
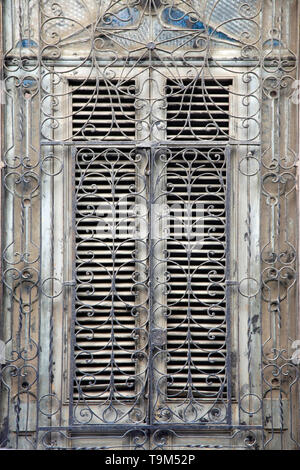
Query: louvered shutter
{"points": [[198, 109], [196, 265], [106, 294], [104, 255], [103, 110], [195, 301], [191, 258]]}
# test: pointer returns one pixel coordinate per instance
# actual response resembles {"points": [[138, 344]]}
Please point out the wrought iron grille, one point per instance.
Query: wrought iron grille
{"points": [[149, 246]]}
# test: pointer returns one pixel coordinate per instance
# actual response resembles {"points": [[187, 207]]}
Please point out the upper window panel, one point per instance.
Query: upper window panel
{"points": [[130, 28], [135, 25], [167, 49]]}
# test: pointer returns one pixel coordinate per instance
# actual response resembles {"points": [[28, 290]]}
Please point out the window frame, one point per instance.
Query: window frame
{"points": [[237, 325]]}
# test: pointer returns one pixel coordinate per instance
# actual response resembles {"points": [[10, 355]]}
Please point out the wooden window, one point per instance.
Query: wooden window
{"points": [[117, 265]]}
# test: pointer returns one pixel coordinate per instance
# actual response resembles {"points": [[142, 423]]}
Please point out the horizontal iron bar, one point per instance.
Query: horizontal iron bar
{"points": [[149, 144], [234, 61], [148, 427]]}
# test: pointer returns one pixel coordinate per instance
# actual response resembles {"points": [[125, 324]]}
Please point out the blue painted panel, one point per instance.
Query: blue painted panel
{"points": [[26, 43], [180, 19], [122, 19]]}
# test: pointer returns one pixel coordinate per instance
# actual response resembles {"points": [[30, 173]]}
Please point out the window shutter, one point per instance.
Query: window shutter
{"points": [[105, 326], [196, 325], [198, 109], [196, 188], [103, 110], [104, 322], [196, 338]]}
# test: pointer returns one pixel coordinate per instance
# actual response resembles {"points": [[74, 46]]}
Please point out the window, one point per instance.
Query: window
{"points": [[149, 254]]}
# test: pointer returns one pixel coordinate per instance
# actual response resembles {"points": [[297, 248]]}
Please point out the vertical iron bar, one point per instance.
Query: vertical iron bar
{"points": [[151, 380], [72, 370], [228, 287]]}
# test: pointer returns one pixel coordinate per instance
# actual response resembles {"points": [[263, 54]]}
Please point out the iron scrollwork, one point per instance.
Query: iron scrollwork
{"points": [[129, 126]]}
